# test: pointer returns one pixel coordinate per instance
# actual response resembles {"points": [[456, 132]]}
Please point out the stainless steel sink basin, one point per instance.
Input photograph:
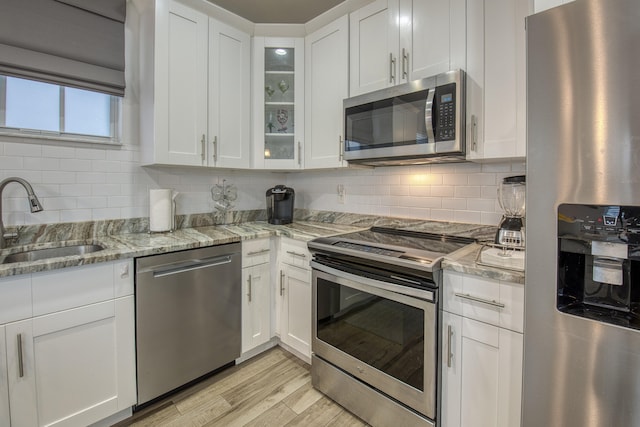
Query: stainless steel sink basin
{"points": [[40, 254]]}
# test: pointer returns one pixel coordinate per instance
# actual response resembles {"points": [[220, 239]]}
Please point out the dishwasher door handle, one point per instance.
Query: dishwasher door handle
{"points": [[192, 265]]}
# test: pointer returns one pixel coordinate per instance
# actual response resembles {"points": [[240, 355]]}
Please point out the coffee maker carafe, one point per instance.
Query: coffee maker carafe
{"points": [[280, 201]]}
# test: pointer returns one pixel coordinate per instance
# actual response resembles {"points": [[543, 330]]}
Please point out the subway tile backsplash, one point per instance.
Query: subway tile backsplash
{"points": [[77, 183]]}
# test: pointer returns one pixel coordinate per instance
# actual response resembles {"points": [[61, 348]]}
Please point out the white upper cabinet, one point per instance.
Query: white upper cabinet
{"points": [[326, 86], [278, 103], [397, 41], [194, 95], [229, 96], [541, 5], [496, 79], [173, 95]]}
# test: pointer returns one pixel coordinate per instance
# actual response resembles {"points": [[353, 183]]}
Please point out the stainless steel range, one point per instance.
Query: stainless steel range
{"points": [[376, 322]]}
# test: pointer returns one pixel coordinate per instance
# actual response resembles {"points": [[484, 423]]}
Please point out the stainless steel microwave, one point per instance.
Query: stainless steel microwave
{"points": [[417, 122]]}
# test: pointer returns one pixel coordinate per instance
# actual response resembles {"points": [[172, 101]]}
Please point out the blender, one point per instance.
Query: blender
{"points": [[511, 196]]}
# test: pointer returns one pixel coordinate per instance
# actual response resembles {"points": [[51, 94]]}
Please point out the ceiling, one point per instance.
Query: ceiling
{"points": [[277, 11]]}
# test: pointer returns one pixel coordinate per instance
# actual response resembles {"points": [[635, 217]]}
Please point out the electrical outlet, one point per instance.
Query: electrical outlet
{"points": [[341, 194]]}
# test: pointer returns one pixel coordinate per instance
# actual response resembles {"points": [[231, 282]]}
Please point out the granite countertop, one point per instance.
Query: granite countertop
{"points": [[464, 261], [130, 245], [124, 239]]}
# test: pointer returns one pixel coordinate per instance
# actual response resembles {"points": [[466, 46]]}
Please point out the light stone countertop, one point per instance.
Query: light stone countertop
{"points": [[464, 261], [127, 243], [131, 245]]}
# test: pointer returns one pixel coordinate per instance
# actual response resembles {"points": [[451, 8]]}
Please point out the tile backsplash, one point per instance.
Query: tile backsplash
{"points": [[78, 183]]}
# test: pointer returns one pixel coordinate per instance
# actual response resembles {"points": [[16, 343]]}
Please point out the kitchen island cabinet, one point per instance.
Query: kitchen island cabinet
{"points": [[482, 351], [73, 364]]}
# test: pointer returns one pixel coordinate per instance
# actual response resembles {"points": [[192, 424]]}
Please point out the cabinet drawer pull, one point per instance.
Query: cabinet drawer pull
{"points": [[249, 293], [474, 133], [281, 282], [340, 149], [480, 300], [215, 148], [449, 352], [299, 153], [296, 254], [20, 359], [260, 252]]}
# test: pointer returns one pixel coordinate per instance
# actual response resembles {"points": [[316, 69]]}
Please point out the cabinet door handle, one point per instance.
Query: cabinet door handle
{"points": [[493, 303], [405, 63], [299, 153], [20, 358], [202, 142], [215, 148], [392, 68], [261, 251], [249, 293], [474, 132], [340, 149], [281, 282], [449, 352], [296, 254]]}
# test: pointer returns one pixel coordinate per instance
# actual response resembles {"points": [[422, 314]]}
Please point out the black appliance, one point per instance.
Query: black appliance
{"points": [[598, 261], [375, 337], [280, 200]]}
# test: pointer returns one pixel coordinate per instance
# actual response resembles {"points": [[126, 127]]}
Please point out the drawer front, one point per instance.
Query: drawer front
{"points": [[72, 287], [255, 252], [491, 301], [15, 298], [295, 252]]}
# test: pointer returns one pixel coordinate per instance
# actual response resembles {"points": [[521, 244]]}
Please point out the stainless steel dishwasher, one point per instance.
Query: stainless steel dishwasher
{"points": [[187, 316]]}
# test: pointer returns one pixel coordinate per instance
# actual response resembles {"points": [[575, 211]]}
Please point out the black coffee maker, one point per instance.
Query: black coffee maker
{"points": [[280, 205]]}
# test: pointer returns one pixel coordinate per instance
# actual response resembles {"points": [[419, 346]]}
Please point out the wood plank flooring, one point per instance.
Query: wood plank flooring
{"points": [[272, 389]]}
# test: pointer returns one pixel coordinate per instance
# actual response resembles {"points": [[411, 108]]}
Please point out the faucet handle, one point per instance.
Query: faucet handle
{"points": [[13, 235]]}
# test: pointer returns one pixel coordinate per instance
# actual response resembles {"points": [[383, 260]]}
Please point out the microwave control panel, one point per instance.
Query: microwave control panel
{"points": [[445, 112]]}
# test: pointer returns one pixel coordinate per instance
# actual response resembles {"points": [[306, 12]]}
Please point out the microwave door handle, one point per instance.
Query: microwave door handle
{"points": [[428, 116]]}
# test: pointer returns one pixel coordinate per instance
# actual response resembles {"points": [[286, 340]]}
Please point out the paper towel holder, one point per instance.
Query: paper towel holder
{"points": [[172, 215]]}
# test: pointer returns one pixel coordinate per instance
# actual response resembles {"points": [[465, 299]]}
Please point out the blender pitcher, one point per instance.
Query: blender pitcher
{"points": [[511, 196]]}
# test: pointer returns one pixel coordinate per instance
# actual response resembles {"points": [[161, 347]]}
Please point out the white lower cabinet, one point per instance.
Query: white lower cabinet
{"points": [[256, 293], [481, 361], [75, 366], [293, 301], [5, 418], [482, 374]]}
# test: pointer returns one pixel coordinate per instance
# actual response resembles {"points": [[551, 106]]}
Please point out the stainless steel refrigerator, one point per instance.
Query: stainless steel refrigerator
{"points": [[582, 337]]}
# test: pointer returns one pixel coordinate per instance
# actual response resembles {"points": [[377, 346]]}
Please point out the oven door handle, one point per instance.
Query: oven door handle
{"points": [[391, 287]]}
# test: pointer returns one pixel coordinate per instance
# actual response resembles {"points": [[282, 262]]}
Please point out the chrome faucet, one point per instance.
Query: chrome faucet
{"points": [[34, 205]]}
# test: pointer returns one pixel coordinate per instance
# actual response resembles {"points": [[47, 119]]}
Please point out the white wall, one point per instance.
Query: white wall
{"points": [[462, 192]]}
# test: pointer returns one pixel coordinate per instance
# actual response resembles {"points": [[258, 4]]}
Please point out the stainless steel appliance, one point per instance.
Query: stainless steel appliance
{"points": [[375, 335], [187, 316], [582, 351], [417, 122], [280, 201]]}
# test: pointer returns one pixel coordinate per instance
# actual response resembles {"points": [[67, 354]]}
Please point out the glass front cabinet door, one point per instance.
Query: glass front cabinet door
{"points": [[278, 108]]}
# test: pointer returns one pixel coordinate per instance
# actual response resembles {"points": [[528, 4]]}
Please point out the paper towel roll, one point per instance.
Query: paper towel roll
{"points": [[160, 210]]}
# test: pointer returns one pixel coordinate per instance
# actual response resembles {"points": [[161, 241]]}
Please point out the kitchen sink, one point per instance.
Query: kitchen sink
{"points": [[40, 254]]}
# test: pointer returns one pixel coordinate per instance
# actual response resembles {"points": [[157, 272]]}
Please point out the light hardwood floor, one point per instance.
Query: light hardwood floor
{"points": [[272, 389]]}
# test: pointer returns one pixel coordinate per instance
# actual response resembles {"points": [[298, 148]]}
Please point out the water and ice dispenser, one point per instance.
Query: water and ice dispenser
{"points": [[599, 263]]}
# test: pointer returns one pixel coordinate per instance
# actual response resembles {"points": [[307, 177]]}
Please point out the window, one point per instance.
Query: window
{"points": [[32, 108]]}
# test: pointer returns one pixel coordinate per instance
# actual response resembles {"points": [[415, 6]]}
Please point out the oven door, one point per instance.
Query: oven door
{"points": [[382, 333]]}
